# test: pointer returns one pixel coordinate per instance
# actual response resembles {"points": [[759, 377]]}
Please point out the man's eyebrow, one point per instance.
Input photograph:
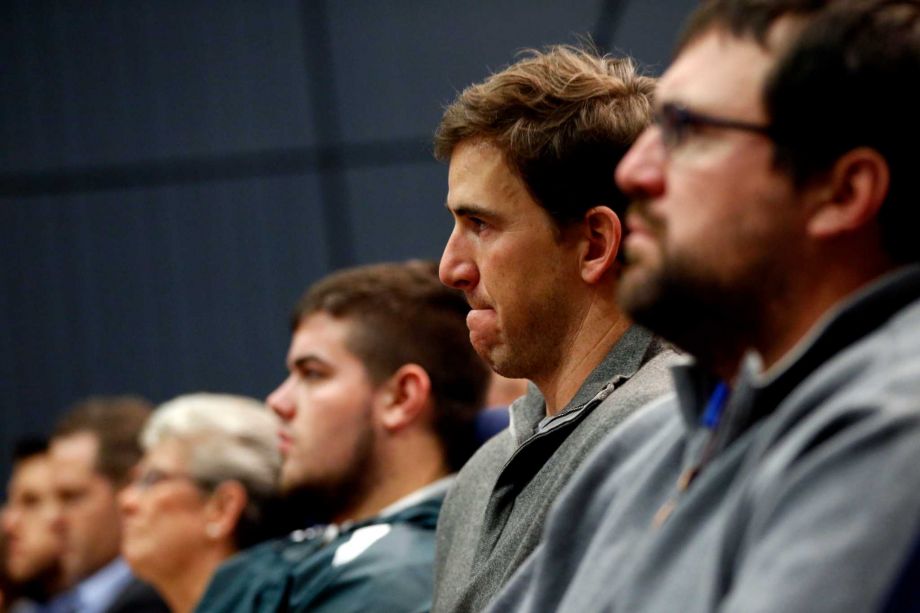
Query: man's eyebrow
{"points": [[301, 361], [470, 210]]}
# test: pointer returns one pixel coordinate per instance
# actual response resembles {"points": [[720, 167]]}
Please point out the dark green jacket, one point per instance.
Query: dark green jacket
{"points": [[384, 564]]}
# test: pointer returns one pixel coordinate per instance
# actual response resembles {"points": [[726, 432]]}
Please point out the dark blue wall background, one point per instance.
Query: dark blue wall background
{"points": [[174, 173]]}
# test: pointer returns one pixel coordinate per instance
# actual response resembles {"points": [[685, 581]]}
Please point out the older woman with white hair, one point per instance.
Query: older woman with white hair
{"points": [[203, 491]]}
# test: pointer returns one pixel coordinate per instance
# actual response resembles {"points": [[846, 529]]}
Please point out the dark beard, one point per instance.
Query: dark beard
{"points": [[43, 587], [322, 502], [712, 321]]}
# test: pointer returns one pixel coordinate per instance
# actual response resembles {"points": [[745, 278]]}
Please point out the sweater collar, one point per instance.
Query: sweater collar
{"points": [[528, 413], [853, 318]]}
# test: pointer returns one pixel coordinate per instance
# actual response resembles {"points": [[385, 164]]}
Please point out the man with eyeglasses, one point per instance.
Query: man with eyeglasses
{"points": [[772, 236], [93, 451]]}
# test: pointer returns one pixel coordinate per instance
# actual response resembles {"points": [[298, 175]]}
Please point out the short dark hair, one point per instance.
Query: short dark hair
{"points": [[845, 80], [116, 422], [563, 118], [850, 80], [742, 18], [400, 313]]}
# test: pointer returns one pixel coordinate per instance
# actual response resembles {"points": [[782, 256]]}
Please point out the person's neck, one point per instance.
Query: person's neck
{"points": [[408, 464], [184, 589], [786, 323], [599, 329]]}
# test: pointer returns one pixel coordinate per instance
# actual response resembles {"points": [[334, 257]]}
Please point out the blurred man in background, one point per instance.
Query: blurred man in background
{"points": [[94, 448], [30, 524]]}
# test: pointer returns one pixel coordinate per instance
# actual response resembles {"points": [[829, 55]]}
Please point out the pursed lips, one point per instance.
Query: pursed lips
{"points": [[475, 303], [640, 221], [478, 310], [285, 442], [636, 224]]}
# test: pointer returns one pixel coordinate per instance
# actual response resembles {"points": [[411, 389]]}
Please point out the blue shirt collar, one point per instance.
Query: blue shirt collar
{"points": [[99, 590]]}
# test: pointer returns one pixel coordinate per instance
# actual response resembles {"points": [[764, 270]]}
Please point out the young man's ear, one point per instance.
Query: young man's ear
{"points": [[852, 195], [224, 508], [404, 398], [601, 235]]}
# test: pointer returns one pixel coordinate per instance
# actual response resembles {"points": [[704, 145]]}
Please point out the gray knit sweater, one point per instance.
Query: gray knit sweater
{"points": [[493, 517]]}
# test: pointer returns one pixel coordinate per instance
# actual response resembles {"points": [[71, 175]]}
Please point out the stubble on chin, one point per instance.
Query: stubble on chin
{"points": [[324, 498], [641, 284], [639, 288], [536, 350]]}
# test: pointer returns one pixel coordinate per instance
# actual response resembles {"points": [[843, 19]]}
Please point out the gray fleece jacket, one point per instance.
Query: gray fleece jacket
{"points": [[810, 501], [493, 516]]}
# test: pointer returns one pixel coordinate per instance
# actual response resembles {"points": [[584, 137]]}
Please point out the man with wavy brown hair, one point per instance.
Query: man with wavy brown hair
{"points": [[535, 249]]}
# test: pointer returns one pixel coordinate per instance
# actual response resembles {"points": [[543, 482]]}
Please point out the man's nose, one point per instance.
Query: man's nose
{"points": [[641, 171], [281, 401], [457, 268]]}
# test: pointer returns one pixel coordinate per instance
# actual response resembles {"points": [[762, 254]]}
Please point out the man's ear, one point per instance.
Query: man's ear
{"points": [[854, 192], [224, 508], [601, 234], [404, 397]]}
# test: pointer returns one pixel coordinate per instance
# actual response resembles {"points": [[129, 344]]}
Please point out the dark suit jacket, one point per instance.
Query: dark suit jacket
{"points": [[138, 597]]}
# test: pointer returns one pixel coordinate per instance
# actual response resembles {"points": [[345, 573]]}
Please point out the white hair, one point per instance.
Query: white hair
{"points": [[226, 438]]}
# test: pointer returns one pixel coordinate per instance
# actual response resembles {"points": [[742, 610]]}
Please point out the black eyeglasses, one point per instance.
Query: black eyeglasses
{"points": [[678, 122], [153, 476]]}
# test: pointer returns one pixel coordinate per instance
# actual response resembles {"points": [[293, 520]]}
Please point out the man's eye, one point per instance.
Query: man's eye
{"points": [[675, 130], [676, 125], [71, 496], [311, 374], [478, 224]]}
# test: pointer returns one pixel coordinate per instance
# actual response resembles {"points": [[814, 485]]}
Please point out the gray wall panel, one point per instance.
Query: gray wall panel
{"points": [[400, 62], [121, 82], [399, 211], [647, 30], [153, 291]]}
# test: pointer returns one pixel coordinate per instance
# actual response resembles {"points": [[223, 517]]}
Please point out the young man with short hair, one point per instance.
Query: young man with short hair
{"points": [[377, 411]]}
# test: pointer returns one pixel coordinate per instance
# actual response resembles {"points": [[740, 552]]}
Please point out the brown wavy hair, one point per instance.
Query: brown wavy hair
{"points": [[563, 118]]}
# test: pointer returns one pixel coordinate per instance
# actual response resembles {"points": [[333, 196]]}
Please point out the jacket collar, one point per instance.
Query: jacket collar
{"points": [[528, 413], [760, 391]]}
